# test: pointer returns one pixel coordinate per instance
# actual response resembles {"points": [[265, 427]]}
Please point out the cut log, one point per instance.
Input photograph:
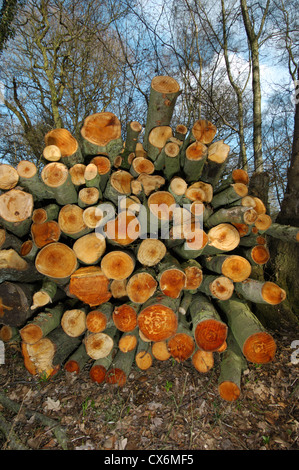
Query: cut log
{"points": [[52, 153], [15, 302], [73, 322], [92, 217], [129, 340], [90, 248], [143, 356], [103, 165], [233, 215], [164, 92], [45, 214], [91, 176], [232, 365], [199, 191], [147, 184], [99, 345], [218, 153], [123, 230], [193, 247], [134, 129], [28, 250], [42, 324], [158, 319], [90, 285], [67, 144], [13, 267], [141, 165], [219, 287], [9, 240], [222, 238], [252, 239], [9, 334], [125, 316], [261, 292], [160, 205], [203, 361], [118, 186], [181, 345], [46, 357], [118, 288], [77, 174], [131, 204], [30, 181], [157, 139], [194, 275], [171, 277], [56, 176], [283, 232], [181, 132], [208, 329], [101, 133], [229, 195], [235, 267], [77, 360], [204, 131], [100, 319], [141, 286], [45, 294], [160, 350], [150, 251], [177, 188], [170, 158], [45, 233], [257, 255], [118, 264], [70, 221], [57, 261], [263, 222], [16, 209], [195, 158], [9, 177], [100, 367], [256, 344], [88, 197], [120, 368], [237, 176]]}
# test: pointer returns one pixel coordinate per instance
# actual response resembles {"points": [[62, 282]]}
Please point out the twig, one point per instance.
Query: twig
{"points": [[45, 420]]}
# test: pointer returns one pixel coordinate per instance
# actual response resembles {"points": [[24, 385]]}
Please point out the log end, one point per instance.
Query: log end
{"points": [[203, 361], [97, 373], [116, 376], [125, 317], [210, 334], [229, 391], [181, 346], [259, 348], [157, 322]]}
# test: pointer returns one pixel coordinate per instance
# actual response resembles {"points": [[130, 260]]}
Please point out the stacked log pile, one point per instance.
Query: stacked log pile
{"points": [[123, 251]]}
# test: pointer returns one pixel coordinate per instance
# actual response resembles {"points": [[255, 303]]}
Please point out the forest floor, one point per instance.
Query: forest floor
{"points": [[170, 406]]}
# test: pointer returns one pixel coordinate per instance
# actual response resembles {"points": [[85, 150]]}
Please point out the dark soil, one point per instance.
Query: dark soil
{"points": [[170, 406]]}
